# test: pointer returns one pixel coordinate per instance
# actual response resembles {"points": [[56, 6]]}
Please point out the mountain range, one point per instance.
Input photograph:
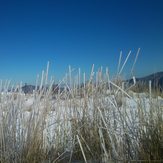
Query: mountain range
{"points": [[155, 78]]}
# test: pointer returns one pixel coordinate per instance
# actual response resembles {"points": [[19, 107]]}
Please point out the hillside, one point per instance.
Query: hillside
{"points": [[155, 78]]}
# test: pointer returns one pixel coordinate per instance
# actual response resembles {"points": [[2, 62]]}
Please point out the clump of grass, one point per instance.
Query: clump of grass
{"points": [[150, 132]]}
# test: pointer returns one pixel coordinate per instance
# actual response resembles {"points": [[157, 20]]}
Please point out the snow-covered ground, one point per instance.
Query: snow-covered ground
{"points": [[54, 117]]}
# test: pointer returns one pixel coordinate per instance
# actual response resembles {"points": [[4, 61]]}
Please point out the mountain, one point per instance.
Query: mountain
{"points": [[28, 89], [155, 78], [143, 82]]}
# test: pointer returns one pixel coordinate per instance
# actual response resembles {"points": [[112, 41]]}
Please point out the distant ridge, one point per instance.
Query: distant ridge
{"points": [[28, 89], [155, 78]]}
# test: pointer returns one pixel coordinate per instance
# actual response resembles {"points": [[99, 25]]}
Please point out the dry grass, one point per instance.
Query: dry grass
{"points": [[94, 122]]}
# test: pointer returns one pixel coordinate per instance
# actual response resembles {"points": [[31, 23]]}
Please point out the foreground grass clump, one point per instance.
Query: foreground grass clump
{"points": [[93, 120]]}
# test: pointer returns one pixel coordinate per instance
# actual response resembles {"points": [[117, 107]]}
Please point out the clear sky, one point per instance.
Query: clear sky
{"points": [[78, 33]]}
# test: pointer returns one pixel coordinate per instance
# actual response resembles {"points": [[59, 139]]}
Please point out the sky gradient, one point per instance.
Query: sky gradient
{"points": [[78, 33]]}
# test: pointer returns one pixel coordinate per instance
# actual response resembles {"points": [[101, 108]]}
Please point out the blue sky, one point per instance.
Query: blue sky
{"points": [[78, 33]]}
